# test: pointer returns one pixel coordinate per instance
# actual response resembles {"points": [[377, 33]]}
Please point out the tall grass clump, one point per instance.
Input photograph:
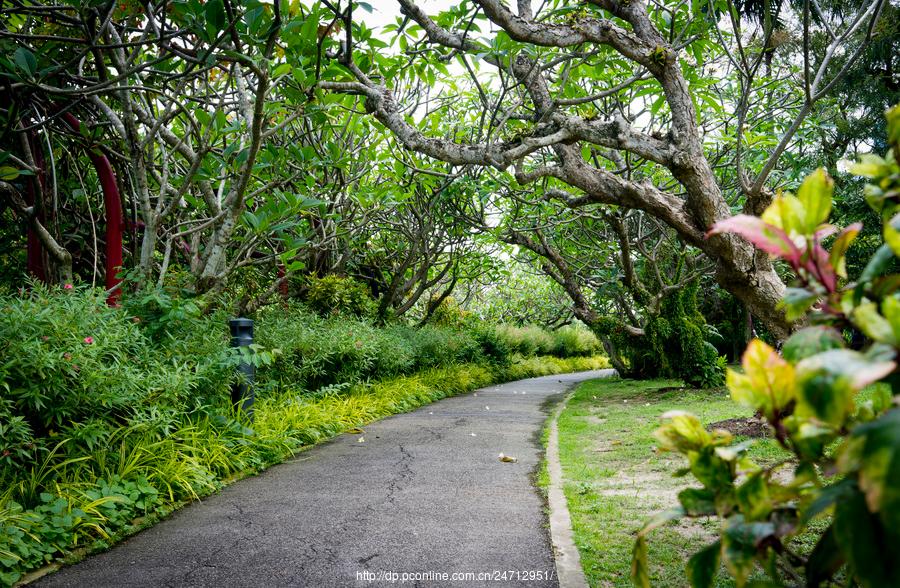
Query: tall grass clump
{"points": [[567, 341], [528, 340], [575, 341]]}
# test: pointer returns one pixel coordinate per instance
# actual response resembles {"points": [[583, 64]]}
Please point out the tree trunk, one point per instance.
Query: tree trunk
{"points": [[115, 219]]}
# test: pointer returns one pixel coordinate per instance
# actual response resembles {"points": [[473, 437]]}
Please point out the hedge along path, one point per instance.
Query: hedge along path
{"points": [[418, 493]]}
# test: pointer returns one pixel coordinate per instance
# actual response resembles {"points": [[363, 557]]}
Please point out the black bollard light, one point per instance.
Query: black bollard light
{"points": [[242, 391]]}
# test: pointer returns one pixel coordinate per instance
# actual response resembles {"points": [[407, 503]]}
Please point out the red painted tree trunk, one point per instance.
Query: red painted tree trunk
{"points": [[283, 286], [115, 220]]}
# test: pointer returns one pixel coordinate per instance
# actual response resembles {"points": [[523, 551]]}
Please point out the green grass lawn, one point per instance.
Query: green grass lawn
{"points": [[615, 480]]}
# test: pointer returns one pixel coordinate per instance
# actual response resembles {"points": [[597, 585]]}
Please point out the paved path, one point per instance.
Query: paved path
{"points": [[424, 493]]}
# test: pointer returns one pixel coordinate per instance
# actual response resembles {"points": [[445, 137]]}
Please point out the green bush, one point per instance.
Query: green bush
{"points": [[318, 352], [450, 314], [68, 358], [493, 347], [527, 341], [532, 367], [575, 341], [437, 347], [339, 295], [831, 514], [675, 343]]}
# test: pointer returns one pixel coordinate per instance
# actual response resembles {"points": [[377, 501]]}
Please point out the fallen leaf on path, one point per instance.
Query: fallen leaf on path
{"points": [[507, 458]]}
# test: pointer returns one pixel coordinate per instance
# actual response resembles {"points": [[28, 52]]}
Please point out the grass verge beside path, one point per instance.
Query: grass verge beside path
{"points": [[137, 479], [614, 480]]}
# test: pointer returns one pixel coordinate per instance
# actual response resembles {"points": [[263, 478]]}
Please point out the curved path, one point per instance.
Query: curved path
{"points": [[424, 493]]}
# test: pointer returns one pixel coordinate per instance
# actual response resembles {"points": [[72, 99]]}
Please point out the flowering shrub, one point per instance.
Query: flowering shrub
{"points": [[842, 486], [70, 361]]}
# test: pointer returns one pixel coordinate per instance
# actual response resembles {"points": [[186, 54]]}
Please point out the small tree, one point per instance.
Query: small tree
{"points": [[846, 454]]}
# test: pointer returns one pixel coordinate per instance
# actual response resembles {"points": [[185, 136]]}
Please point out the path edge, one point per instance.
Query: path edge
{"points": [[569, 572]]}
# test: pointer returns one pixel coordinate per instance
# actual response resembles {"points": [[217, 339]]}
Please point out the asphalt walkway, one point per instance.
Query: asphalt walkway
{"points": [[415, 499]]}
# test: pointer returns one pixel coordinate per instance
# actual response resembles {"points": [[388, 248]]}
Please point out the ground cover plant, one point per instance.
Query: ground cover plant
{"points": [[112, 416]]}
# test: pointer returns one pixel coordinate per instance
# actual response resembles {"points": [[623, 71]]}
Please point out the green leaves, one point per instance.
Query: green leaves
{"points": [[810, 341], [858, 535], [26, 61], [697, 501], [216, 19], [742, 542], [874, 452], [884, 327], [815, 197], [825, 560], [703, 566], [8, 173], [859, 369], [768, 383], [797, 302], [682, 432]]}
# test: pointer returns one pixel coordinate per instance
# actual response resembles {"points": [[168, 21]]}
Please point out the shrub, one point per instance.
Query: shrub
{"points": [[449, 314], [546, 365], [527, 341], [436, 347], [574, 341], [843, 493], [338, 295], [674, 345], [494, 349], [317, 352], [70, 357]]}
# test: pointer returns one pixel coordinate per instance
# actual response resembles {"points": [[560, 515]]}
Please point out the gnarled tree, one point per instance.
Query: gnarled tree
{"points": [[547, 115]]}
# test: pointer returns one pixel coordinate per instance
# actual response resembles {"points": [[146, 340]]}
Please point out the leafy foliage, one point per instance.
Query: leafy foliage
{"points": [[70, 359], [845, 482], [334, 294], [676, 343]]}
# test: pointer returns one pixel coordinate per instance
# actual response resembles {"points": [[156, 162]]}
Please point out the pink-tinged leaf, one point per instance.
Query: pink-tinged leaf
{"points": [[769, 238], [820, 264], [824, 231]]}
